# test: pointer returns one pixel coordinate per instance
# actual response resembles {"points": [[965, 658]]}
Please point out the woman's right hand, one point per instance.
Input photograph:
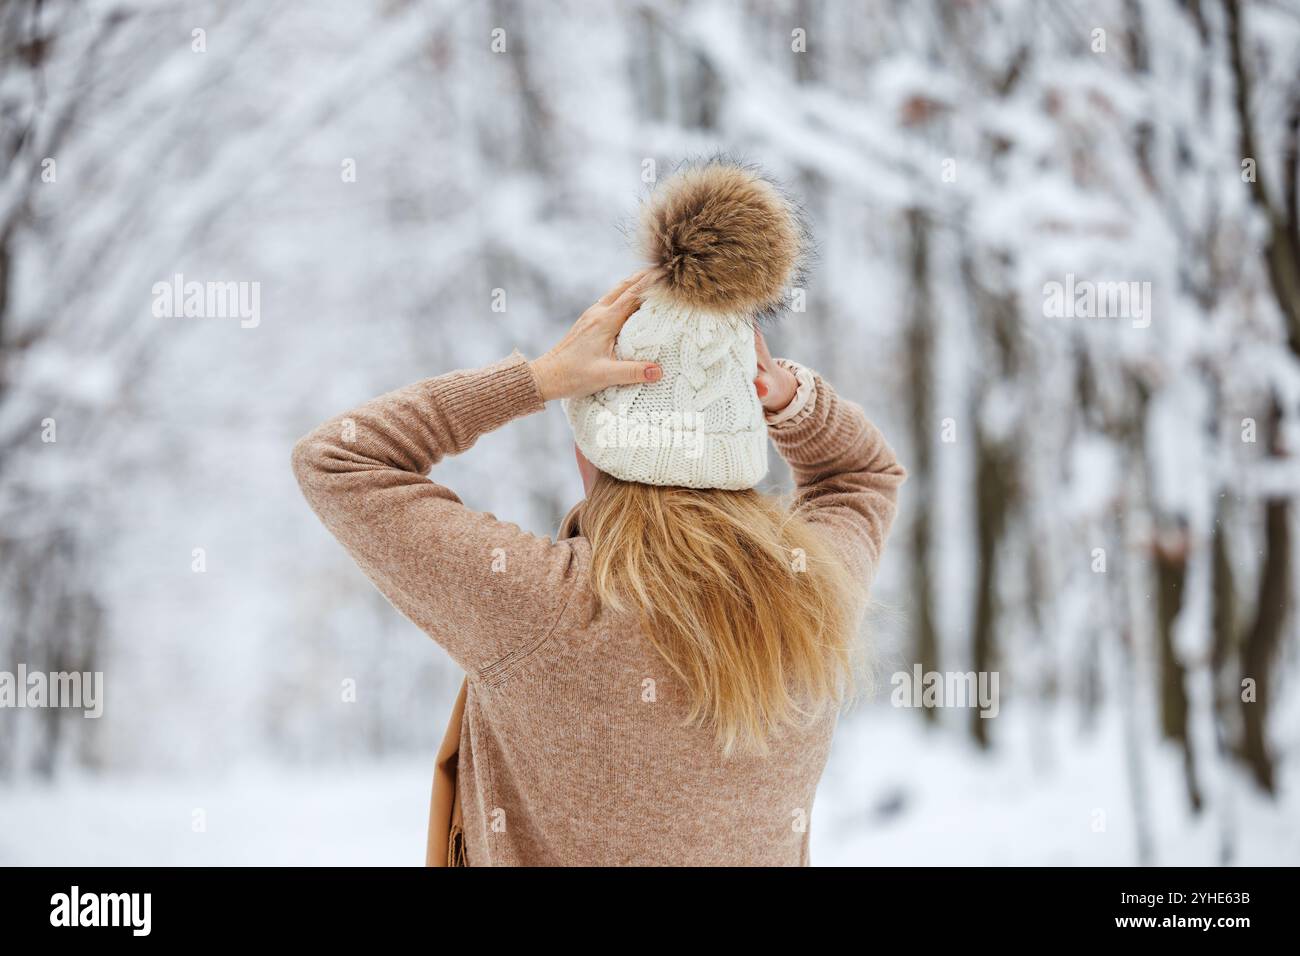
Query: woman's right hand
{"points": [[583, 362]]}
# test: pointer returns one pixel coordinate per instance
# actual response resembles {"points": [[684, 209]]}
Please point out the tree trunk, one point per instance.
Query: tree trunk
{"points": [[996, 473], [920, 353], [992, 500], [1265, 633], [1282, 256], [1170, 555]]}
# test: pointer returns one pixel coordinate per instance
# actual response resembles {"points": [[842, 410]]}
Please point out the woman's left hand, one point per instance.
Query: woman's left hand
{"points": [[776, 384], [583, 362]]}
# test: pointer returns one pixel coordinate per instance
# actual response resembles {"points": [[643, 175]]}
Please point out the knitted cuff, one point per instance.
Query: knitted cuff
{"points": [[483, 399], [805, 397]]}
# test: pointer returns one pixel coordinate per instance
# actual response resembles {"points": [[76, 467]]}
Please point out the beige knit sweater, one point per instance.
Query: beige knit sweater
{"points": [[565, 755]]}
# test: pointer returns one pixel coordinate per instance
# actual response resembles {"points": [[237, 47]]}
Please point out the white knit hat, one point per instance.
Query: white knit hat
{"points": [[728, 244]]}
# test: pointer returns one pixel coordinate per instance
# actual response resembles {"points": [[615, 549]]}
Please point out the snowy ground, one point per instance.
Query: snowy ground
{"points": [[893, 794]]}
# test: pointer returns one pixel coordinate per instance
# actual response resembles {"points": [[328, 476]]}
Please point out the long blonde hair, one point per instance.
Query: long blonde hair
{"points": [[743, 597]]}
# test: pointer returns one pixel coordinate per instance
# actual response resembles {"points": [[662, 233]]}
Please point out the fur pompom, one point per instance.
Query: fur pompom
{"points": [[726, 239]]}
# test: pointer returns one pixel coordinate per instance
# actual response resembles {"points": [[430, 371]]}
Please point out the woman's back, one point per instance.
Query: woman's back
{"points": [[584, 757]]}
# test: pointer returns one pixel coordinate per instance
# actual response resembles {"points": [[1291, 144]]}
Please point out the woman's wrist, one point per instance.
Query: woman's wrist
{"points": [[542, 374], [804, 396]]}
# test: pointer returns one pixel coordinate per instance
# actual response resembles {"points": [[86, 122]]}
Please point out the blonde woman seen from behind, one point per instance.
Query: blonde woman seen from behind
{"points": [[659, 685]]}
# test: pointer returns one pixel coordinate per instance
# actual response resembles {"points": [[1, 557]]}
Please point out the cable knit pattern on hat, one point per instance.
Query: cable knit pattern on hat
{"points": [[727, 243], [701, 425]]}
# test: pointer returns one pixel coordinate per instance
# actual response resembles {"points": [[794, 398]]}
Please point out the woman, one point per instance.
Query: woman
{"points": [[660, 684]]}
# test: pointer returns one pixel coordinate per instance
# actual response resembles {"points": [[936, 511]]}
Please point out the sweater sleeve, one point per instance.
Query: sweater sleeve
{"points": [[846, 475], [484, 589]]}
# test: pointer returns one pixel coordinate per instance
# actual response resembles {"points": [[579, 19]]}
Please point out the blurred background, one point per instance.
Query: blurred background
{"points": [[1101, 509]]}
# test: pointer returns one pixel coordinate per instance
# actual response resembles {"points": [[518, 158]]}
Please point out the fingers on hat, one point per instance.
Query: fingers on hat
{"points": [[609, 297], [634, 373], [630, 299]]}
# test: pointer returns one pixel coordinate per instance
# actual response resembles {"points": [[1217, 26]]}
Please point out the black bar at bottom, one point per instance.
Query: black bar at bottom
{"points": [[916, 904]]}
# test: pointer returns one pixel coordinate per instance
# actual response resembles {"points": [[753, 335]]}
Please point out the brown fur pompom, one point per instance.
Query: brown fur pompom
{"points": [[725, 237]]}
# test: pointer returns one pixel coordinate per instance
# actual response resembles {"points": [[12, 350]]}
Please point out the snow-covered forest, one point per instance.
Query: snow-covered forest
{"points": [[1059, 264]]}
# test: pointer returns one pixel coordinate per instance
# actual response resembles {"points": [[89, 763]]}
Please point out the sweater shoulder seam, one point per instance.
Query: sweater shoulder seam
{"points": [[494, 674]]}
